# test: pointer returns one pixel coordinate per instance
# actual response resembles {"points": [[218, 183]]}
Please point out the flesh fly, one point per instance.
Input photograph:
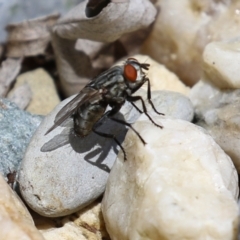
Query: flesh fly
{"points": [[111, 88]]}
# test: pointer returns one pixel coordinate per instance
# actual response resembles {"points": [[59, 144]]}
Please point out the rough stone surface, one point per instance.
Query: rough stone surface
{"points": [[221, 62], [15, 220], [218, 112], [183, 29], [45, 96], [180, 185], [16, 129]]}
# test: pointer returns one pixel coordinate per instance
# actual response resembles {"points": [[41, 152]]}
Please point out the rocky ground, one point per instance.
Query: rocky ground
{"points": [[182, 184]]}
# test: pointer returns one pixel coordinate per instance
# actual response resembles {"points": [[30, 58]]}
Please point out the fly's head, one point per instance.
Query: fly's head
{"points": [[133, 73]]}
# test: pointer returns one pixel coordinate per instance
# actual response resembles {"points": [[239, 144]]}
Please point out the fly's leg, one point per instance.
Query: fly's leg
{"points": [[112, 112], [149, 98], [133, 99], [130, 126], [110, 115], [139, 110], [106, 135]]}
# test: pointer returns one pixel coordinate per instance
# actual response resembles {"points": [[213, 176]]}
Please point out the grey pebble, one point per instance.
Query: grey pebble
{"points": [[16, 130], [61, 173]]}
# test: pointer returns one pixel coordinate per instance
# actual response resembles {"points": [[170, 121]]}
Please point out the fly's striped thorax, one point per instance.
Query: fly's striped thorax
{"points": [[108, 78]]}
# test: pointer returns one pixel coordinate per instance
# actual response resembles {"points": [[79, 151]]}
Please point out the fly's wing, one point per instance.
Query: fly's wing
{"points": [[68, 110]]}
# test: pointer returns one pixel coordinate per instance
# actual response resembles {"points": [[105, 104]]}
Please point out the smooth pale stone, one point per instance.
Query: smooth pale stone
{"points": [[85, 224], [172, 104], [160, 77], [15, 220], [180, 185], [221, 61], [61, 173], [45, 96], [182, 30], [218, 112], [204, 96]]}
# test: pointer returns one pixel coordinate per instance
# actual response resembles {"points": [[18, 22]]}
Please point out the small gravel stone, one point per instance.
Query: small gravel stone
{"points": [[44, 93]]}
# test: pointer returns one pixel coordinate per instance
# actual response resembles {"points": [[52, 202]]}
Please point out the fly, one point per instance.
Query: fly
{"points": [[111, 88]]}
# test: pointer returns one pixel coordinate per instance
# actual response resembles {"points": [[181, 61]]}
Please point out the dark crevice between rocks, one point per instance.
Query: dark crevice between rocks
{"points": [[47, 62], [94, 7]]}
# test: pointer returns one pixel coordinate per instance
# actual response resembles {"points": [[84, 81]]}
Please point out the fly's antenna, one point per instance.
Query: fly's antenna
{"points": [[145, 65], [145, 74], [146, 60]]}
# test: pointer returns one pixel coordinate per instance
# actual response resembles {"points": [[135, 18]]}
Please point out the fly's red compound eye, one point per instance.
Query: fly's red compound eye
{"points": [[130, 72]]}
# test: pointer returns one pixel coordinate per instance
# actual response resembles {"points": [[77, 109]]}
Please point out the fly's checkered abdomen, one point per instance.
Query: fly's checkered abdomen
{"points": [[86, 117]]}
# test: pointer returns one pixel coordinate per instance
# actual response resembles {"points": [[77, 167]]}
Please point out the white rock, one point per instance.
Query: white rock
{"points": [[202, 93], [221, 62], [181, 185], [218, 112], [15, 220]]}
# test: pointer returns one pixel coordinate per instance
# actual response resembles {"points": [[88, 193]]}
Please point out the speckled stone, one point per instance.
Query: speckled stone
{"points": [[16, 129]]}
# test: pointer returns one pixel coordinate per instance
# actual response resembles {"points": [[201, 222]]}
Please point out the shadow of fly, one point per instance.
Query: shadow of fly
{"points": [[111, 88]]}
